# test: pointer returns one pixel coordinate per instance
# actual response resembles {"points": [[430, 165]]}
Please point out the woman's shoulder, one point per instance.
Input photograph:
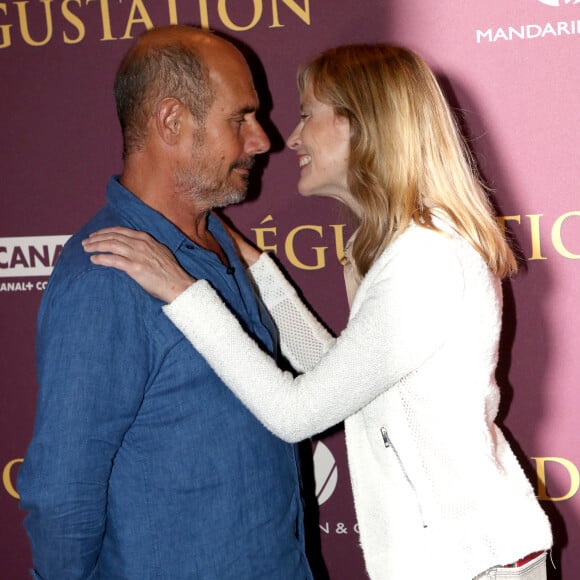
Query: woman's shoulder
{"points": [[418, 258], [422, 243], [438, 251]]}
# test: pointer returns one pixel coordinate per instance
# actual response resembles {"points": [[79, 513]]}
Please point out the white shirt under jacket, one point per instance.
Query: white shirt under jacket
{"points": [[436, 486]]}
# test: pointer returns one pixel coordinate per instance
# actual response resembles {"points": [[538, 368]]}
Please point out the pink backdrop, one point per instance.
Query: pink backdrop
{"points": [[509, 67]]}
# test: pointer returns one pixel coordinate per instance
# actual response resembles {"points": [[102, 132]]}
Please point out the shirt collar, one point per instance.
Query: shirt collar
{"points": [[142, 217]]}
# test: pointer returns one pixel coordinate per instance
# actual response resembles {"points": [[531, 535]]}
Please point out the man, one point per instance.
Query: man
{"points": [[142, 464]]}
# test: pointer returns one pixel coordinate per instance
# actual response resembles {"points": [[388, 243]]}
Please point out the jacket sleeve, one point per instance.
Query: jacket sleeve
{"points": [[92, 369], [404, 318], [303, 339]]}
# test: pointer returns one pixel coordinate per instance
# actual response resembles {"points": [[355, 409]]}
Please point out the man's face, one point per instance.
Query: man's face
{"points": [[223, 150]]}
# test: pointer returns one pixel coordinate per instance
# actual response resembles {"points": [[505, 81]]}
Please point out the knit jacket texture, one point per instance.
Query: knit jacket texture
{"points": [[435, 483]]}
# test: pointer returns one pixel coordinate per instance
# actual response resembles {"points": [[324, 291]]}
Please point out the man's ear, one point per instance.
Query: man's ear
{"points": [[169, 119]]}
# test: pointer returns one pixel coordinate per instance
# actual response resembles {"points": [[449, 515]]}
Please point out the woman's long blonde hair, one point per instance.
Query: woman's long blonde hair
{"points": [[406, 152]]}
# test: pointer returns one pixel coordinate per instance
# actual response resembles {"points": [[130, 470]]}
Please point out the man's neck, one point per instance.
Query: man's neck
{"points": [[186, 214]]}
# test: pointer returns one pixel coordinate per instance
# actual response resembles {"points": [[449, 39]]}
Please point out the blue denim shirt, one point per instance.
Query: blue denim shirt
{"points": [[143, 464]]}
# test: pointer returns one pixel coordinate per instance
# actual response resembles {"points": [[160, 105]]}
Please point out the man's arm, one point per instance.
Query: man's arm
{"points": [[92, 370]]}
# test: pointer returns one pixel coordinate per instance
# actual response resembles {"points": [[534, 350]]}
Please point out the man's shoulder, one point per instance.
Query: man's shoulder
{"points": [[72, 254], [74, 263]]}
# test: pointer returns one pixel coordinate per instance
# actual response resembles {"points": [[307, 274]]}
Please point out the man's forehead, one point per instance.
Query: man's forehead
{"points": [[235, 86]]}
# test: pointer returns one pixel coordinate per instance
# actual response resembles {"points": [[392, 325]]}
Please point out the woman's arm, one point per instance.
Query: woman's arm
{"points": [[405, 317], [303, 338]]}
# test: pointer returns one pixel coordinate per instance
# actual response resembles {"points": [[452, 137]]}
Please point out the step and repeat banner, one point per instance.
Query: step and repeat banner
{"points": [[509, 68]]}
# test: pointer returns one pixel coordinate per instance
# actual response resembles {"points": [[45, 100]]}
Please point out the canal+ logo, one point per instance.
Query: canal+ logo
{"points": [[558, 2], [29, 256]]}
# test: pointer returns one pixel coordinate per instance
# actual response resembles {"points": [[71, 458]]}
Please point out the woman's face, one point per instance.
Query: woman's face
{"points": [[322, 144]]}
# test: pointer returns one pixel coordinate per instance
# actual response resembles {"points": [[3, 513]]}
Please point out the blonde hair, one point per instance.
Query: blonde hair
{"points": [[407, 156]]}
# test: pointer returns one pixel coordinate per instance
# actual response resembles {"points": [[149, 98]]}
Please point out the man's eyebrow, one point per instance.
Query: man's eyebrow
{"points": [[248, 109]]}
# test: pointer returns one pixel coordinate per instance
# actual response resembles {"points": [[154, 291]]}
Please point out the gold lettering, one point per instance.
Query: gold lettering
{"points": [[7, 479], [5, 30], [29, 20], [339, 241], [203, 14], [225, 18], [105, 19], [172, 12], [74, 20], [535, 235], [557, 236], [541, 471], [23, 18], [302, 13], [501, 220], [319, 250], [261, 233], [144, 19]]}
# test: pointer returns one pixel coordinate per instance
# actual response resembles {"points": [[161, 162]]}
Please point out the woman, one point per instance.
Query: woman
{"points": [[438, 492]]}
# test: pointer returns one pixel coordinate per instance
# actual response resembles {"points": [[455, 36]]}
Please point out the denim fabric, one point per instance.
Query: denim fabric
{"points": [[142, 463]]}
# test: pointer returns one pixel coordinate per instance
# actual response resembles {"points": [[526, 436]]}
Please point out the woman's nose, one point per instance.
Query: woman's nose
{"points": [[293, 140]]}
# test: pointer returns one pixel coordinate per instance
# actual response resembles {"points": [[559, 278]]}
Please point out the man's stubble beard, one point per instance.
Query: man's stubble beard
{"points": [[210, 195], [196, 182]]}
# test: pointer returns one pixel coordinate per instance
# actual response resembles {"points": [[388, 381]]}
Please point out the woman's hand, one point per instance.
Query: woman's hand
{"points": [[148, 262]]}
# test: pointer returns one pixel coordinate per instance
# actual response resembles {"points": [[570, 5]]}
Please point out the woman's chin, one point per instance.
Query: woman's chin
{"points": [[306, 191], [312, 192]]}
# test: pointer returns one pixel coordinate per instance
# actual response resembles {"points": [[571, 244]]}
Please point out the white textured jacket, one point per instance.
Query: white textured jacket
{"points": [[436, 486]]}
